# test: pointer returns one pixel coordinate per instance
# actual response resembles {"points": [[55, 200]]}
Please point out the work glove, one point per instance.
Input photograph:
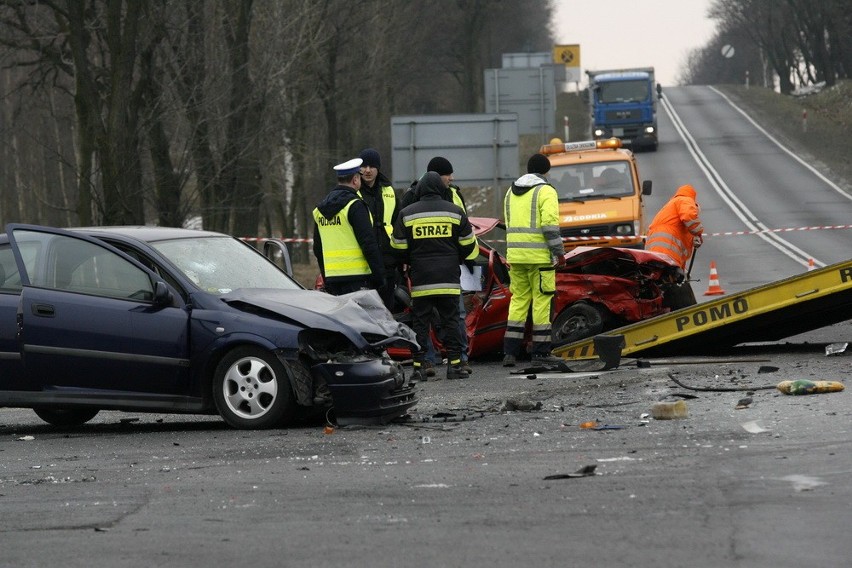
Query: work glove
{"points": [[559, 260], [697, 241]]}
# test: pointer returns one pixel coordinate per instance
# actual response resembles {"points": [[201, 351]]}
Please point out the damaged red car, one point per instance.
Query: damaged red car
{"points": [[597, 290]]}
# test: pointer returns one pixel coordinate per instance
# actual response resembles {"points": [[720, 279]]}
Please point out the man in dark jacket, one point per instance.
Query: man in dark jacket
{"points": [[344, 241], [444, 168], [435, 237], [379, 196]]}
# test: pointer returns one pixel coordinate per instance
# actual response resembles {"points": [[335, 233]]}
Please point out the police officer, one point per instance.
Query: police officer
{"points": [[380, 197], [435, 237], [344, 240], [533, 244]]}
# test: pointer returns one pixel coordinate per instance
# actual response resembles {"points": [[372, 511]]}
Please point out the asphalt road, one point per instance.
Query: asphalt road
{"points": [[464, 482]]}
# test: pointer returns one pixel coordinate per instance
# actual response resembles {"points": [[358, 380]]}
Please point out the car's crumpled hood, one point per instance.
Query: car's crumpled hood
{"points": [[586, 255], [351, 314]]}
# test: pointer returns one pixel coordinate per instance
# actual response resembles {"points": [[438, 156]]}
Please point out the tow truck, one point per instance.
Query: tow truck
{"points": [[600, 193], [770, 312]]}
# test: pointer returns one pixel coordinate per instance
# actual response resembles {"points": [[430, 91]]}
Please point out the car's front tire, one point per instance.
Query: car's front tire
{"points": [[251, 389], [66, 417], [578, 321]]}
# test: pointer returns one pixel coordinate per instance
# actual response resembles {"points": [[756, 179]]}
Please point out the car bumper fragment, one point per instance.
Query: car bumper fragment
{"points": [[367, 392]]}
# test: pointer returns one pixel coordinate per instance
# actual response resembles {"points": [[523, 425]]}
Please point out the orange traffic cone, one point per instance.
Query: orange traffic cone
{"points": [[811, 264], [714, 289]]}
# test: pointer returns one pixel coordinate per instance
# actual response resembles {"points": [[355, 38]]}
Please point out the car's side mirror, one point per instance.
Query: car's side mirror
{"points": [[646, 187], [162, 294]]}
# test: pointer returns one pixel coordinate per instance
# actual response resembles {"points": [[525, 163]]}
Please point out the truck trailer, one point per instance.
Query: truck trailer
{"points": [[624, 105]]}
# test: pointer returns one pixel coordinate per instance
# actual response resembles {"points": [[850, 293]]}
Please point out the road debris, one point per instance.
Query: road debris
{"points": [[754, 427], [804, 482], [522, 405], [669, 410], [804, 386], [743, 403], [585, 471], [835, 348], [720, 389]]}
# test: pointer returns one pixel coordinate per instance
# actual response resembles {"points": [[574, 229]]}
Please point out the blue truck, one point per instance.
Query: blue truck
{"points": [[624, 105]]}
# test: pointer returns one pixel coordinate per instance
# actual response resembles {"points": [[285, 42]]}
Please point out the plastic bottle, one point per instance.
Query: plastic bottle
{"points": [[803, 386], [669, 410]]}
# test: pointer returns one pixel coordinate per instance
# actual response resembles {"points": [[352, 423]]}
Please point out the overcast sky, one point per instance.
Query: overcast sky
{"points": [[615, 34]]}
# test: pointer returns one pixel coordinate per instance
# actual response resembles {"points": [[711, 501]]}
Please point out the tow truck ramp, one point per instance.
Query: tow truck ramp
{"points": [[770, 312]]}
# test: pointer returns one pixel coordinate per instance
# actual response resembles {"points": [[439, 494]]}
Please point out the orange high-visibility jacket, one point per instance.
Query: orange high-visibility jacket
{"points": [[675, 225]]}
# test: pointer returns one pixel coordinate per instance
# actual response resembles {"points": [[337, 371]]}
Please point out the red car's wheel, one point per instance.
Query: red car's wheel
{"points": [[578, 321]]}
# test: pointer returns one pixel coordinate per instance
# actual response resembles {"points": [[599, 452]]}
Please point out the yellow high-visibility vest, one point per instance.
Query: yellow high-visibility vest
{"points": [[341, 253], [525, 242]]}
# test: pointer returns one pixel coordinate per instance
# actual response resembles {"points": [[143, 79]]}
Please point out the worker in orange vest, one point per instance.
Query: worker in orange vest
{"points": [[676, 230]]}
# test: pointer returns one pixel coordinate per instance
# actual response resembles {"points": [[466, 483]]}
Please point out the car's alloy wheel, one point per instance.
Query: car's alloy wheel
{"points": [[66, 417], [251, 389], [577, 322]]}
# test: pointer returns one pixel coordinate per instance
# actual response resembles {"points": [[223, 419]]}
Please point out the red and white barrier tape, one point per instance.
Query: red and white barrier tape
{"points": [[723, 234], [262, 239]]}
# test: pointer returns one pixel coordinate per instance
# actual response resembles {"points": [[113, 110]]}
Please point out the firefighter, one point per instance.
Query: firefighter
{"points": [[380, 197], [434, 237], [344, 241], [676, 230], [533, 245], [444, 168]]}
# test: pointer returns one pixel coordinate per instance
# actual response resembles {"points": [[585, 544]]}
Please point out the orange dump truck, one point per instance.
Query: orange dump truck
{"points": [[600, 193]]}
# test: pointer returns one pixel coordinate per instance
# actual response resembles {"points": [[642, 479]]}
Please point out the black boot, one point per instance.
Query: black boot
{"points": [[455, 372]]}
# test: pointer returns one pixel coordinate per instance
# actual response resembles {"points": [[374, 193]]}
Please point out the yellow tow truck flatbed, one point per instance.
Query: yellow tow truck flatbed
{"points": [[770, 312]]}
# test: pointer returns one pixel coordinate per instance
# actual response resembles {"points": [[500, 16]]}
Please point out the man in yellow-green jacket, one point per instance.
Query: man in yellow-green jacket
{"points": [[533, 249]]}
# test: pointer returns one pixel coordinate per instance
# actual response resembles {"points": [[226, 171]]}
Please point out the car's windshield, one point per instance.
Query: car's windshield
{"points": [[221, 264], [582, 182], [623, 91]]}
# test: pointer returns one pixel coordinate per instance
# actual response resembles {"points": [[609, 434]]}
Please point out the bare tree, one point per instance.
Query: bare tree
{"points": [[228, 109]]}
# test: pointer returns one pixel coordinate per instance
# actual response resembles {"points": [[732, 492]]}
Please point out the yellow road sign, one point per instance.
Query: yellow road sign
{"points": [[568, 55]]}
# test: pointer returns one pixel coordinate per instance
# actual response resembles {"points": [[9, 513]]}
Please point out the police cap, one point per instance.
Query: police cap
{"points": [[348, 168]]}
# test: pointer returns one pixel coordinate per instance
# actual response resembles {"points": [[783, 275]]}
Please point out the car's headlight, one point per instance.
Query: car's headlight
{"points": [[323, 345], [599, 132], [649, 130], [624, 229]]}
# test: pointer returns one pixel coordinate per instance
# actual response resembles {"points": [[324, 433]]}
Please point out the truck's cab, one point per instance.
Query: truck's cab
{"points": [[624, 105], [600, 193]]}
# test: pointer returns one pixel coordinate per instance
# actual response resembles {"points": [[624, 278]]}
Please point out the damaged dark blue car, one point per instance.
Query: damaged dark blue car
{"points": [[167, 320]]}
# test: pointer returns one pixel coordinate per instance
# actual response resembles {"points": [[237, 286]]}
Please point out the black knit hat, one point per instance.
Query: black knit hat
{"points": [[371, 158], [441, 165], [538, 164]]}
